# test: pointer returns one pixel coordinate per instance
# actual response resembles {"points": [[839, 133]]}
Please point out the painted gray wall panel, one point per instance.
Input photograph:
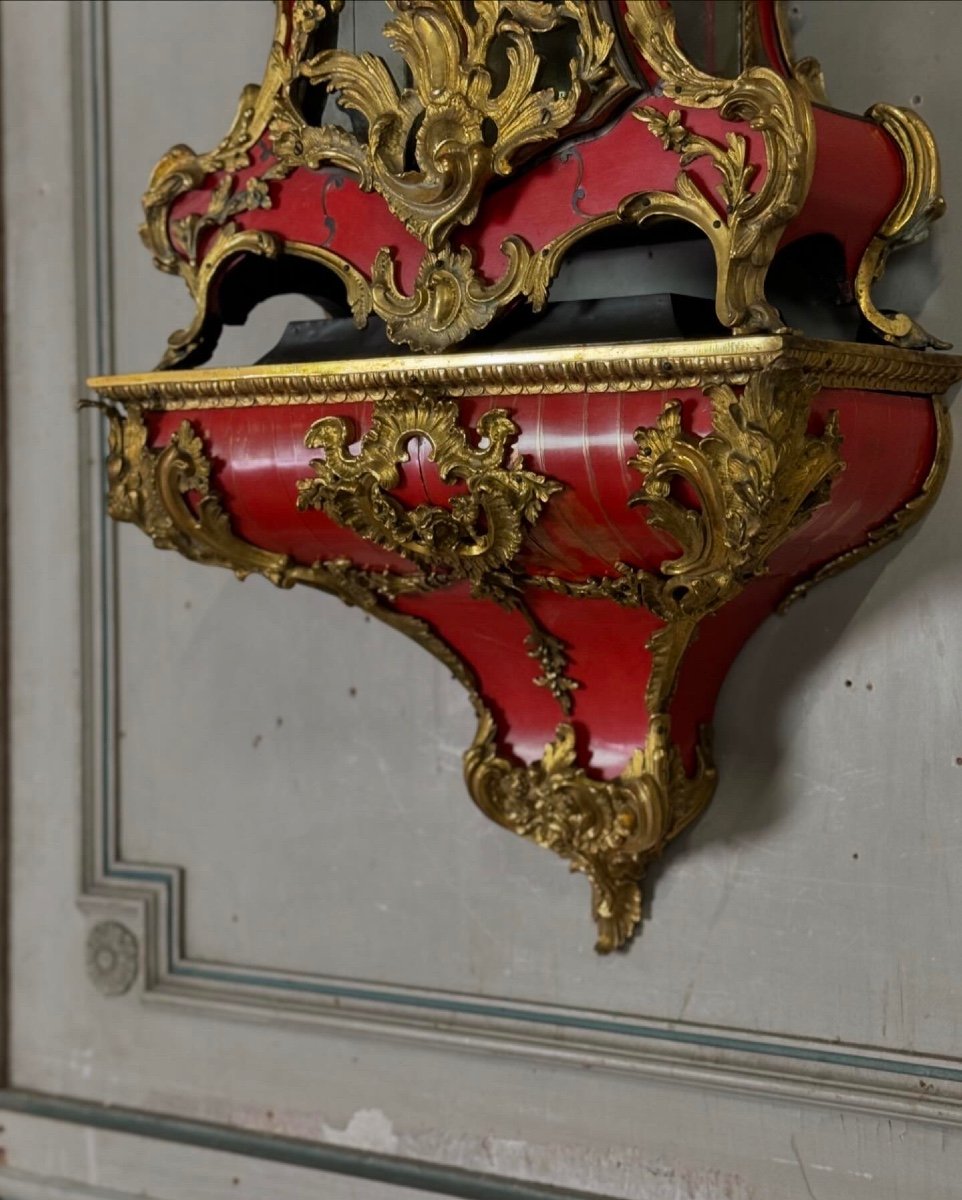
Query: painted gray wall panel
{"points": [[303, 766]]}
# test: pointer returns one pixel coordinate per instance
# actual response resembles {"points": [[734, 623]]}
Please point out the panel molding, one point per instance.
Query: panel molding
{"points": [[403, 1173], [151, 898], [25, 1185]]}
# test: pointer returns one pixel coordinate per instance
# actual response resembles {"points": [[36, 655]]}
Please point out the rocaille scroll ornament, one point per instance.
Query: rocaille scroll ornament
{"points": [[489, 87], [607, 829], [747, 230], [169, 495], [474, 109], [474, 106], [474, 537], [756, 476], [477, 534], [449, 299]]}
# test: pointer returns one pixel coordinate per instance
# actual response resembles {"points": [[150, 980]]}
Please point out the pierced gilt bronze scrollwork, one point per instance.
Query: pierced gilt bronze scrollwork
{"points": [[756, 477], [487, 91], [473, 537], [474, 106], [152, 489], [747, 228], [473, 111], [585, 534]]}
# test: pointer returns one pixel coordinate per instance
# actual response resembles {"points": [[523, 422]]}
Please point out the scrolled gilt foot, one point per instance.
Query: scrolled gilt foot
{"points": [[608, 829]]}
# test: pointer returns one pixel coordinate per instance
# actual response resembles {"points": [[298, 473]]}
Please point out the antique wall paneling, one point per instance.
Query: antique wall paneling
{"points": [[524, 543], [296, 940]]}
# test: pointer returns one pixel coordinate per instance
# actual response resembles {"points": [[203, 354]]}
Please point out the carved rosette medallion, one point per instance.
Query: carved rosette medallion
{"points": [[113, 958]]}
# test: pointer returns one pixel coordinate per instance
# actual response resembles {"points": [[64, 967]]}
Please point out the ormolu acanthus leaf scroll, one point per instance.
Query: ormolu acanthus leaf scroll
{"points": [[607, 829], [477, 534], [475, 102], [757, 476]]}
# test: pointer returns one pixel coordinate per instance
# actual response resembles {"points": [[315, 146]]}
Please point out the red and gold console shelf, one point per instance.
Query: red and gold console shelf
{"points": [[585, 535], [585, 539]]}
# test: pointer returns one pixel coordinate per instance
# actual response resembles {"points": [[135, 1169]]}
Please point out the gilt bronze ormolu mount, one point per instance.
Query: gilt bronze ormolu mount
{"points": [[585, 534]]}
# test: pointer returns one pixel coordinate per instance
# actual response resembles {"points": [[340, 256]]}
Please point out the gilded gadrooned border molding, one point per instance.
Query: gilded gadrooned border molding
{"points": [[614, 367], [608, 830]]}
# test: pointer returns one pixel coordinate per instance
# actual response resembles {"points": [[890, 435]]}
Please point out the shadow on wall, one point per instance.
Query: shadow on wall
{"points": [[752, 724]]}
